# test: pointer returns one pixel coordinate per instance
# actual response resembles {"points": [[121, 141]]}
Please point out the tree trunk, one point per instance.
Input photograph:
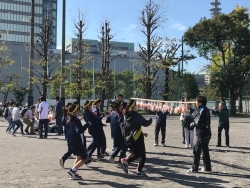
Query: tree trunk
{"points": [[240, 107], [102, 99], [148, 82], [233, 99], [166, 88]]}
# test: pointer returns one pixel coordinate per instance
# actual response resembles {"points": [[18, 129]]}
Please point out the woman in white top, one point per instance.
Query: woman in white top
{"points": [[16, 119]]}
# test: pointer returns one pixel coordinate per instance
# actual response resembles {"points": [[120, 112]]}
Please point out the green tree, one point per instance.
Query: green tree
{"points": [[20, 93], [228, 36], [190, 86]]}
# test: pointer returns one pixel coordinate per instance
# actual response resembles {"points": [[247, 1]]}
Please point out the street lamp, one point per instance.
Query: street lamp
{"points": [[70, 78]]}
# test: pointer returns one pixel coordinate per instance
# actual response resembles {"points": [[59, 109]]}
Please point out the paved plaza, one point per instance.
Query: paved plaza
{"points": [[30, 162]]}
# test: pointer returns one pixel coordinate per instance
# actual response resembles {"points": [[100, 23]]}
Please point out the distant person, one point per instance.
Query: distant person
{"points": [[59, 115], [28, 119], [43, 111], [37, 106], [16, 119], [12, 105], [202, 121], [120, 97], [223, 114], [185, 99]]}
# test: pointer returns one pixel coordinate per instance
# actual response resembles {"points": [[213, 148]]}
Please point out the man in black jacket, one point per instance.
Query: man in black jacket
{"points": [[203, 133]]}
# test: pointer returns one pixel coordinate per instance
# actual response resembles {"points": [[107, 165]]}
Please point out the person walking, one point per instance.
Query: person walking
{"points": [[43, 111], [202, 121], [28, 119], [16, 119], [59, 116], [223, 114], [12, 105]]}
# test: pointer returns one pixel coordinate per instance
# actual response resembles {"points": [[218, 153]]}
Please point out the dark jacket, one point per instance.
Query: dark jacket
{"points": [[202, 122], [115, 119], [74, 135], [223, 115], [100, 117], [161, 116], [134, 121], [58, 109], [89, 116]]}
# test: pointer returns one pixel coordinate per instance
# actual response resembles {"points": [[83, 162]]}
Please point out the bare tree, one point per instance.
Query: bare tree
{"points": [[106, 50], [80, 86], [150, 20]]}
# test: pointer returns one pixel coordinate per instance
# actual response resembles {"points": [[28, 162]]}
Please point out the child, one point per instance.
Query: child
{"points": [[76, 141], [187, 119]]}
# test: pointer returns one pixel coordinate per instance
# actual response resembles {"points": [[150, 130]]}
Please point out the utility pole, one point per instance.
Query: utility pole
{"points": [[31, 58], [229, 59], [182, 55], [62, 89]]}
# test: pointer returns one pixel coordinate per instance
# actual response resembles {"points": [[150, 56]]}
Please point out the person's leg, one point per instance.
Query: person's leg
{"points": [[9, 126], [104, 142], [191, 134], [226, 127], [197, 154], [17, 127], [28, 124], [186, 131], [142, 154], [157, 130], [59, 125], [46, 126], [21, 125], [99, 142], [220, 127], [94, 144], [163, 131], [205, 153], [41, 122], [183, 134]]}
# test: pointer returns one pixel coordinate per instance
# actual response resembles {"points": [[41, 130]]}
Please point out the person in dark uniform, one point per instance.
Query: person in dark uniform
{"points": [[202, 123], [223, 114]]}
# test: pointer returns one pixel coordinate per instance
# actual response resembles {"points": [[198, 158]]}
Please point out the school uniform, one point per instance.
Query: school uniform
{"points": [[223, 124], [202, 123], [160, 124]]}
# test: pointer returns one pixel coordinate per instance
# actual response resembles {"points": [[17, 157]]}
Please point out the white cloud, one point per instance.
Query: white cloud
{"points": [[131, 27], [179, 26]]}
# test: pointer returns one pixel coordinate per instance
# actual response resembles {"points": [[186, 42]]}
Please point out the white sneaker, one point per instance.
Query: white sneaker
{"points": [[186, 146], [155, 144], [111, 159], [8, 132], [163, 145], [192, 171]]}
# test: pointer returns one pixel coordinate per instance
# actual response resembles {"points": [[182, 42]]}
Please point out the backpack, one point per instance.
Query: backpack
{"points": [[23, 111], [6, 113]]}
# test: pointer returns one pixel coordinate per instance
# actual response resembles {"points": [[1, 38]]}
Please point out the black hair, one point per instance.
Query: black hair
{"points": [[32, 107], [127, 111], [42, 98], [72, 108], [75, 102], [57, 98], [18, 104], [86, 105], [202, 100], [120, 95], [96, 101], [223, 103], [115, 104], [12, 102]]}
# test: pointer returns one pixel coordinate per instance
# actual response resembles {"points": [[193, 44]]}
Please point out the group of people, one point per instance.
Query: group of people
{"points": [[126, 130]]}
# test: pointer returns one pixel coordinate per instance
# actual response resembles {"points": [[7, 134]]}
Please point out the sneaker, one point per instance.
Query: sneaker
{"points": [[228, 146], [217, 145], [124, 165], [8, 132], [13, 134], [155, 144], [100, 156], [140, 173], [163, 145], [119, 165], [33, 133], [72, 174], [186, 146], [61, 162], [111, 159], [191, 170], [143, 169], [89, 161], [105, 154], [39, 137], [203, 170], [27, 132]]}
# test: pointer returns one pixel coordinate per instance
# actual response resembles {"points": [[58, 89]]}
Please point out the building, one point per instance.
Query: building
{"points": [[15, 19]]}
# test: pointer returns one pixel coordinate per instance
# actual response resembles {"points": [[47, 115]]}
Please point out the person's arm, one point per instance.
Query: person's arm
{"points": [[144, 122], [203, 119]]}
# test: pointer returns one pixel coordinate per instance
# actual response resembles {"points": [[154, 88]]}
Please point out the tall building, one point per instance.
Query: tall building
{"points": [[15, 19], [215, 10]]}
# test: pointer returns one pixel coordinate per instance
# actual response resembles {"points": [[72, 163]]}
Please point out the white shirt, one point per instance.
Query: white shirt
{"points": [[43, 110], [15, 114]]}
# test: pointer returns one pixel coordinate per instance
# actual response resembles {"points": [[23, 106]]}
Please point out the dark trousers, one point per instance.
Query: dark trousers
{"points": [[183, 135], [59, 124], [95, 144], [160, 126], [66, 131], [201, 145], [67, 154], [222, 126], [103, 141], [120, 147], [43, 123], [19, 124], [139, 151]]}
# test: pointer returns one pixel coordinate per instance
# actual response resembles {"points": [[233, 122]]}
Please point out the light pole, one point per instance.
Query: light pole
{"points": [[114, 80], [93, 80]]}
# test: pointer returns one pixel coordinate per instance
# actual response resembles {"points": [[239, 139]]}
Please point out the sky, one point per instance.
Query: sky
{"points": [[123, 16]]}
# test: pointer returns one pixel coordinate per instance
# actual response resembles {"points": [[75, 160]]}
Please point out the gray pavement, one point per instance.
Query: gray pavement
{"points": [[30, 162]]}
